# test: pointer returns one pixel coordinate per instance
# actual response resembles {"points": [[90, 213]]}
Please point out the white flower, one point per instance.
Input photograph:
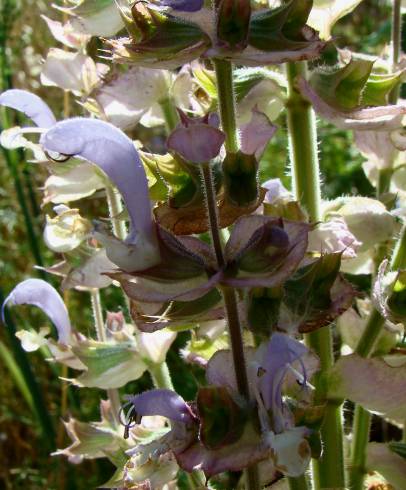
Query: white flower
{"points": [[334, 236], [66, 231]]}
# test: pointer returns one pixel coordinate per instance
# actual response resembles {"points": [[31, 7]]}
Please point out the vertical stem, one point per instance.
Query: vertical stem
{"points": [[231, 306], [112, 394], [396, 44], [360, 428], [303, 145], [385, 174], [161, 376], [170, 115], [212, 213], [226, 103], [329, 470], [365, 348]]}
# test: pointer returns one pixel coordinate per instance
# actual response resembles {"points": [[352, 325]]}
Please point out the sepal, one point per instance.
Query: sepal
{"points": [[159, 39]]}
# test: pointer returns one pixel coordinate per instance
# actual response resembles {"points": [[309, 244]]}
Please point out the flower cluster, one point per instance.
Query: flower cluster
{"points": [[247, 267]]}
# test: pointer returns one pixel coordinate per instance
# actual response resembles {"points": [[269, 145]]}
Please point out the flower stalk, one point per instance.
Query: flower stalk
{"points": [[226, 103], [328, 471], [170, 115], [385, 174]]}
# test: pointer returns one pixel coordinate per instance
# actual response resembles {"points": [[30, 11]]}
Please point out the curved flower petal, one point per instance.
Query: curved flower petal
{"points": [[39, 293], [30, 104], [111, 150], [162, 402], [281, 351]]}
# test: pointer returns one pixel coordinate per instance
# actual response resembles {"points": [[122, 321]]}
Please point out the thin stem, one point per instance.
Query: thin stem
{"points": [[226, 103], [161, 376], [396, 44], [361, 426], [299, 483], [365, 348], [212, 213], [303, 145], [112, 394], [170, 115], [329, 469], [231, 306]]}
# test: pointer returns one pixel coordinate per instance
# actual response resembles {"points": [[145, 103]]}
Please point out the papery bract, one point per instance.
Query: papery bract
{"points": [[196, 140]]}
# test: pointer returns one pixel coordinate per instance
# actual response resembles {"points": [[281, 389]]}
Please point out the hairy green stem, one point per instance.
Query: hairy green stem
{"points": [[385, 174], [170, 115], [396, 44], [328, 471], [365, 348], [113, 394], [161, 376], [226, 103]]}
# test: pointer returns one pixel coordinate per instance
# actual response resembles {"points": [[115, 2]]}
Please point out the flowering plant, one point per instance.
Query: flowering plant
{"points": [[177, 109]]}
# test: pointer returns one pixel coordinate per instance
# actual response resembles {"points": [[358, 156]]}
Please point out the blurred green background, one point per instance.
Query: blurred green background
{"points": [[32, 399]]}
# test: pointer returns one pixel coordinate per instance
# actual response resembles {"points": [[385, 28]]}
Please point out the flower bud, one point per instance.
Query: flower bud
{"points": [[233, 17], [240, 178]]}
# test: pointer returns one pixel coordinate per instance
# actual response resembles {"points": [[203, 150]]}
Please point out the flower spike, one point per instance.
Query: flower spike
{"points": [[39, 293]]}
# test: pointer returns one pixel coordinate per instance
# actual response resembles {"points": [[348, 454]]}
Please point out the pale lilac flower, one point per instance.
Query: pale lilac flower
{"points": [[39, 293], [110, 149], [279, 440]]}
